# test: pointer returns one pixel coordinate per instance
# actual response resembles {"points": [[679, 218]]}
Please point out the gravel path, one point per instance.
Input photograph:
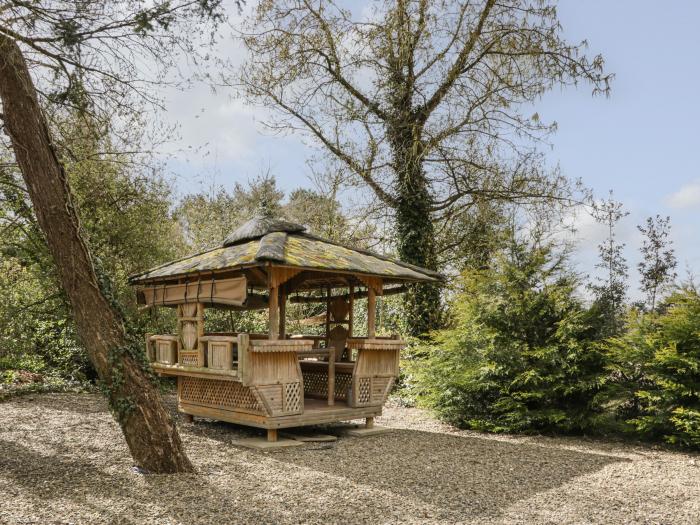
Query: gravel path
{"points": [[62, 460]]}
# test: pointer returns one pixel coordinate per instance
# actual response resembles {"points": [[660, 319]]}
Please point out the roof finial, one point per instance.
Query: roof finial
{"points": [[261, 225]]}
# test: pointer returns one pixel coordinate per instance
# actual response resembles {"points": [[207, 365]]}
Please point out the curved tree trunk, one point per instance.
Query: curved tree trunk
{"points": [[149, 430]]}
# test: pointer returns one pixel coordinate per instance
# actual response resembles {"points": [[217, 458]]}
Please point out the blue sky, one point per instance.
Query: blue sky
{"points": [[641, 142]]}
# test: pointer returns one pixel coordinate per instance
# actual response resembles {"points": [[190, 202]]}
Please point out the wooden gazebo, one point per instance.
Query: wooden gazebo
{"points": [[277, 380]]}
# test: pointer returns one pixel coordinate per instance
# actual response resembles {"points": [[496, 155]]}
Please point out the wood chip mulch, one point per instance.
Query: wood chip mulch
{"points": [[63, 460]]}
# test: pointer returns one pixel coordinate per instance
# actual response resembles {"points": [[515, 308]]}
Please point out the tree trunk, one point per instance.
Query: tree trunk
{"points": [[414, 230], [149, 430]]}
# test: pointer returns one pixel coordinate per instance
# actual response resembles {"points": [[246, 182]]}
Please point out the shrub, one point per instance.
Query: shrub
{"points": [[655, 368], [519, 355]]}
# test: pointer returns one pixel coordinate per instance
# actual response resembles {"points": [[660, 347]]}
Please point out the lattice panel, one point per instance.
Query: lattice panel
{"points": [[292, 397], [218, 394], [343, 382], [189, 358], [364, 390], [316, 382]]}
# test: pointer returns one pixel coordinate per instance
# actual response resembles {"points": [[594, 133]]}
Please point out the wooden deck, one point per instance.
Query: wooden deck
{"points": [[316, 411]]}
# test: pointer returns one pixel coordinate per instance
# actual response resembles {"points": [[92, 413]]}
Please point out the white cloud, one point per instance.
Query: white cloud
{"points": [[686, 197]]}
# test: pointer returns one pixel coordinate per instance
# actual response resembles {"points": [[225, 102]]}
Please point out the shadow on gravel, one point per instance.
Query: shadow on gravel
{"points": [[64, 463], [459, 473], [64, 481]]}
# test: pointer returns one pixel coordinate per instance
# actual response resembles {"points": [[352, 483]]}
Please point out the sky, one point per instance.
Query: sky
{"points": [[641, 142]]}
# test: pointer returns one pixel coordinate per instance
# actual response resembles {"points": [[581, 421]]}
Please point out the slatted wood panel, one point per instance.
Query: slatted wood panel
{"points": [[272, 396], [166, 351], [281, 399], [220, 355], [377, 362], [380, 389], [281, 345], [271, 368]]}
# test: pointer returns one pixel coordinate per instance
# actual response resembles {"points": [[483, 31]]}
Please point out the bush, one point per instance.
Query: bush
{"points": [[655, 368], [520, 355]]}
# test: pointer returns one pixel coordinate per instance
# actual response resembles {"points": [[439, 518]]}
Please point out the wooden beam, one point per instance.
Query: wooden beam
{"points": [[280, 275], [375, 283], [296, 281], [258, 274], [356, 295], [371, 312]]}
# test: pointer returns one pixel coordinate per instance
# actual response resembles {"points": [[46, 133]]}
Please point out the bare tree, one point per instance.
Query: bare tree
{"points": [[419, 100], [92, 57], [610, 290], [658, 265]]}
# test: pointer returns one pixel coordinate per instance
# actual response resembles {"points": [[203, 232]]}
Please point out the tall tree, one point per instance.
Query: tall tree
{"points": [[610, 289], [420, 101], [89, 56], [658, 265]]}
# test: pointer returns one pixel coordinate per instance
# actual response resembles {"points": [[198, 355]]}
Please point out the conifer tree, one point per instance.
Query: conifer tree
{"points": [[520, 354]]}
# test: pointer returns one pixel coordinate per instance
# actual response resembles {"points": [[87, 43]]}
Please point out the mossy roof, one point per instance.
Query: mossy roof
{"points": [[262, 240]]}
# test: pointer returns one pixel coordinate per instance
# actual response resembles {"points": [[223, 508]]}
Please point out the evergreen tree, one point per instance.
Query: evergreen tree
{"points": [[656, 364], [520, 354], [658, 265]]}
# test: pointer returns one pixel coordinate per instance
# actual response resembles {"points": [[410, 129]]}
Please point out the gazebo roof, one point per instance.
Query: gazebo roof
{"points": [[264, 240]]}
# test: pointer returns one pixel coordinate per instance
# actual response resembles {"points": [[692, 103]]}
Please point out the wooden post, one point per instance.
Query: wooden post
{"points": [[328, 316], [272, 435], [283, 311], [187, 418], [351, 315], [331, 376], [371, 312], [244, 358], [200, 334], [274, 313], [369, 422]]}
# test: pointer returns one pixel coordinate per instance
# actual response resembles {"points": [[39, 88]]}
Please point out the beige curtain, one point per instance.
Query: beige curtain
{"points": [[224, 291]]}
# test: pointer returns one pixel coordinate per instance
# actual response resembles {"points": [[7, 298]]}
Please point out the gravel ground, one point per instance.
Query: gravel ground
{"points": [[62, 460]]}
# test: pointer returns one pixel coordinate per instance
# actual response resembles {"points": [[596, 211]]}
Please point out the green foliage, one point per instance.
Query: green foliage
{"points": [[125, 218], [655, 368], [208, 217], [519, 354]]}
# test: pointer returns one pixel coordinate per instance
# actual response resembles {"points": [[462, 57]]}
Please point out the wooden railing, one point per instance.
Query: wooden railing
{"points": [[271, 365]]}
